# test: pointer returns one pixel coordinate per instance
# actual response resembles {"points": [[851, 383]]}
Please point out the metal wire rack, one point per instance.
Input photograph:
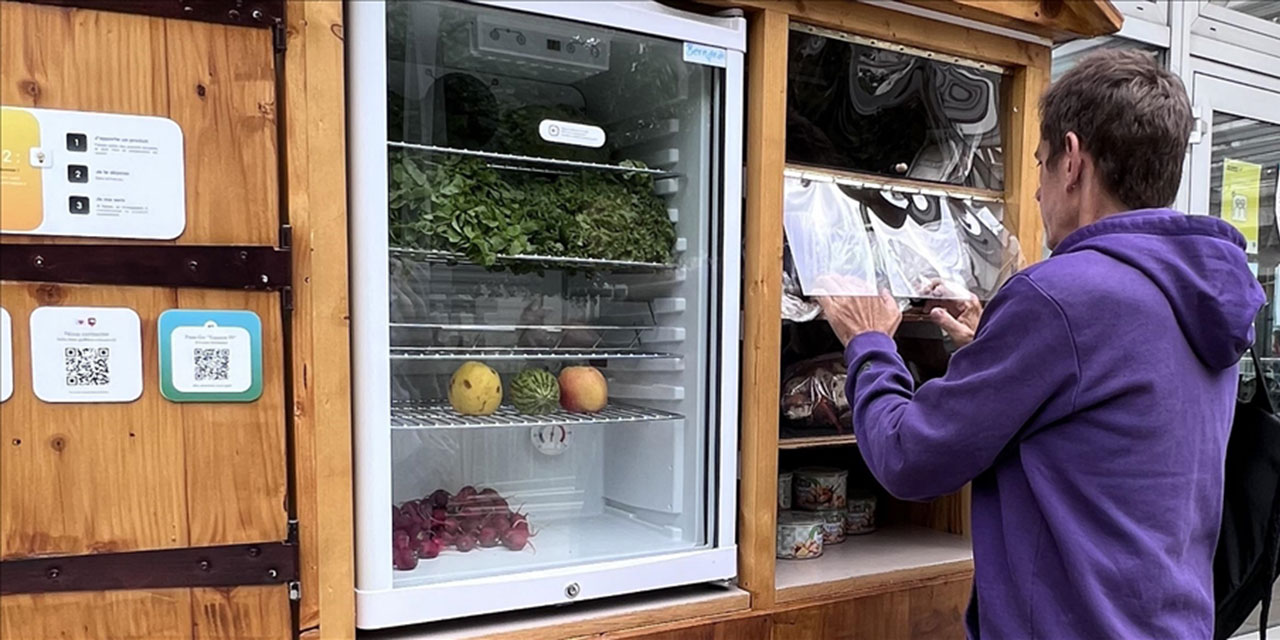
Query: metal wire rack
{"points": [[438, 415], [520, 353]]}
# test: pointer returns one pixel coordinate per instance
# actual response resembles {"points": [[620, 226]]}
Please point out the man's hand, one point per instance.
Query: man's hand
{"points": [[850, 316], [958, 318]]}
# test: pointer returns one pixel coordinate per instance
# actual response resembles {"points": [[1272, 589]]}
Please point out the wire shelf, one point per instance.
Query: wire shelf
{"points": [[533, 336], [428, 255], [436, 415], [520, 353], [549, 163]]}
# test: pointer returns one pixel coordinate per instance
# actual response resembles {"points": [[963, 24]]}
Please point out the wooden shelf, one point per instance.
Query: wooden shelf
{"points": [[817, 441], [886, 560]]}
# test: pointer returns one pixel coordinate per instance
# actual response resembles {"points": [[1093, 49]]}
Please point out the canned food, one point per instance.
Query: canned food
{"points": [[818, 489], [799, 535], [860, 517], [784, 490], [832, 526]]}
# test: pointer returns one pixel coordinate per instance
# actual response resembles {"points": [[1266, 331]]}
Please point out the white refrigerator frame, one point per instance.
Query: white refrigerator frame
{"points": [[378, 604]]}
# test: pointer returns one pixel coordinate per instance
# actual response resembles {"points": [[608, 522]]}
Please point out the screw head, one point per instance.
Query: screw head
{"points": [[254, 552], [192, 265], [204, 565], [572, 590], [273, 574], [901, 167], [38, 261], [53, 573]]}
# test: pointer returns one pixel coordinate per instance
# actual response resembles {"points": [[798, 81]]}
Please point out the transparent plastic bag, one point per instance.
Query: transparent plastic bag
{"points": [[813, 395], [994, 254], [828, 240], [916, 241]]}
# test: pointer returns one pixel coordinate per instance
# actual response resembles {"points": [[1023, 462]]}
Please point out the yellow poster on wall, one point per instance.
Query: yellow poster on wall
{"points": [[1241, 182], [20, 182]]}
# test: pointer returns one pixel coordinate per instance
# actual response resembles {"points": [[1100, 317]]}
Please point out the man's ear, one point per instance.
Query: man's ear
{"points": [[1073, 155]]}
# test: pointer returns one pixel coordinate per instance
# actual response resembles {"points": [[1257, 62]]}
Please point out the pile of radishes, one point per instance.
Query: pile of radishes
{"points": [[421, 529]]}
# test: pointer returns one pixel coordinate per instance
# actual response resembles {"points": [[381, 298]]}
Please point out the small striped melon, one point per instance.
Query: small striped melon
{"points": [[535, 392]]}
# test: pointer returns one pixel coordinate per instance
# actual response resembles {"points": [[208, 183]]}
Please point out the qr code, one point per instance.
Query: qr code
{"points": [[87, 366], [211, 364]]}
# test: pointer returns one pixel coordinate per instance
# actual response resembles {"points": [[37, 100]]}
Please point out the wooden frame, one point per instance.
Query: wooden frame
{"points": [[315, 120], [766, 136]]}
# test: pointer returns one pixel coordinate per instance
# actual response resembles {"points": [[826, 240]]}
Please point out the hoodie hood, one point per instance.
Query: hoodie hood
{"points": [[1198, 262]]}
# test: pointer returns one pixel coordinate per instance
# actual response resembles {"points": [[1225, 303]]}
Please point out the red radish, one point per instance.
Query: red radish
{"points": [[469, 525], [465, 493], [422, 534], [502, 525], [404, 559], [451, 525], [488, 537], [445, 539], [489, 491], [439, 498], [399, 539], [515, 539], [465, 542], [428, 549], [439, 514]]}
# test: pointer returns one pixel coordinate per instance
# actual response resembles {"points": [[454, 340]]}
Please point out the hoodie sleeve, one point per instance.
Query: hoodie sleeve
{"points": [[1020, 372]]}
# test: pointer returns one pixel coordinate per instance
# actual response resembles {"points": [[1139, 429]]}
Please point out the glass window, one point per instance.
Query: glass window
{"points": [[1242, 179], [1268, 10], [862, 108], [1065, 56]]}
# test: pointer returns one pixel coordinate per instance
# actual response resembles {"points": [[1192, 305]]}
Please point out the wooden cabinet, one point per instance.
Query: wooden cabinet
{"points": [[153, 474]]}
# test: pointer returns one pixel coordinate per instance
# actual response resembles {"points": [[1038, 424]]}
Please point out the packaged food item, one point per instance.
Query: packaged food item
{"points": [[832, 526], [799, 535], [784, 490], [820, 488], [860, 516], [813, 394]]}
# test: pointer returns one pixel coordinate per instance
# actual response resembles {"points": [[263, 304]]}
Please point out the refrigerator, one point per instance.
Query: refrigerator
{"points": [[545, 229]]}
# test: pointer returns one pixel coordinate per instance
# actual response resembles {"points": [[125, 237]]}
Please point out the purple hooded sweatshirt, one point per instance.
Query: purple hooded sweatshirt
{"points": [[1091, 414]]}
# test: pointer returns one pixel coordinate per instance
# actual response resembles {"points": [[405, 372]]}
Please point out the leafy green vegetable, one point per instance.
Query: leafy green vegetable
{"points": [[461, 205]]}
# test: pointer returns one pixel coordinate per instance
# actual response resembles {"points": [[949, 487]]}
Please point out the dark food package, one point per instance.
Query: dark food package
{"points": [[813, 397]]}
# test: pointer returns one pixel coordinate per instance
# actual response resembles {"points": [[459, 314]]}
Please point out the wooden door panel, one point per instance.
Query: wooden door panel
{"points": [[235, 463], [241, 613], [217, 82], [82, 478], [98, 615]]}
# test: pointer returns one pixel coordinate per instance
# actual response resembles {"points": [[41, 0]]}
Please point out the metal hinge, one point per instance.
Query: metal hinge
{"points": [[286, 236], [279, 37], [295, 590], [291, 532]]}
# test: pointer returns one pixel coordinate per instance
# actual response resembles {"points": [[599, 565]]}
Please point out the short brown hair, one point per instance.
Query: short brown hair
{"points": [[1131, 115]]}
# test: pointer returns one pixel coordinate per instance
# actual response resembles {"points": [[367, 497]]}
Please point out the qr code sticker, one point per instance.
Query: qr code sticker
{"points": [[88, 366], [211, 365]]}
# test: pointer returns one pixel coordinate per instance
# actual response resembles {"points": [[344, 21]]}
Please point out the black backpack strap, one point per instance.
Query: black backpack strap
{"points": [[1262, 400]]}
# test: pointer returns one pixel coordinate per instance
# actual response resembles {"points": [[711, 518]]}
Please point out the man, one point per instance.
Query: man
{"points": [[1092, 407]]}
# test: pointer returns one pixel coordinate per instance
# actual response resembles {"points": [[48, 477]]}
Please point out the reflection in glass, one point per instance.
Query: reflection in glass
{"points": [[1268, 10], [1245, 158], [861, 108], [1065, 56]]}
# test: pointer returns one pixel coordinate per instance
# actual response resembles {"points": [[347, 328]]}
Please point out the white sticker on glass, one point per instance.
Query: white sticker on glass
{"points": [[572, 133]]}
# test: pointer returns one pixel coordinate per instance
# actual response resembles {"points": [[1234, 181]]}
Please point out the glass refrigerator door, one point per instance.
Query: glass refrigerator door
{"points": [[542, 333]]}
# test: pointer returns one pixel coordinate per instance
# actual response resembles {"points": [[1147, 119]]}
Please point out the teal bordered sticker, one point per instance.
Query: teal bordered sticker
{"points": [[210, 355]]}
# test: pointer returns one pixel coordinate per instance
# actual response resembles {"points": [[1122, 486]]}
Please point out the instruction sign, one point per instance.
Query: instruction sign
{"points": [[86, 354], [210, 356], [1241, 182], [101, 175]]}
